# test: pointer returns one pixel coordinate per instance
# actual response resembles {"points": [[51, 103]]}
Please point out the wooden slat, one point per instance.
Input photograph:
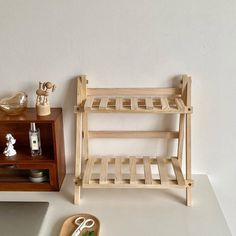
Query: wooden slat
{"points": [[119, 102], [89, 103], [162, 170], [134, 134], [103, 103], [118, 172], [81, 96], [85, 135], [126, 160], [88, 170], [132, 91], [181, 138], [103, 173], [149, 103], [180, 104], [133, 178], [164, 104], [147, 170], [134, 103], [138, 185], [188, 143], [178, 172]]}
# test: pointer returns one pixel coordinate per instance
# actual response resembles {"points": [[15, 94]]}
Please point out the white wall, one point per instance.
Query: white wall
{"points": [[132, 43]]}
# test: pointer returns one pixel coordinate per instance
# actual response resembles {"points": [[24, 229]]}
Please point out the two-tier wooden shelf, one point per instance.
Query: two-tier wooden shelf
{"points": [[111, 168], [15, 170]]}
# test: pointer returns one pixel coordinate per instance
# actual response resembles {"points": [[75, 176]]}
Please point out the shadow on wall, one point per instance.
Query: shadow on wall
{"points": [[68, 103]]}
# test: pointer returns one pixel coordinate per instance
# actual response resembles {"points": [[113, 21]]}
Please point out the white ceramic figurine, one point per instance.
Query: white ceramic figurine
{"points": [[9, 150]]}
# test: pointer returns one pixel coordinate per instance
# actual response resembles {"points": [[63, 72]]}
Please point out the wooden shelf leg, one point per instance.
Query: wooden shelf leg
{"points": [[81, 96], [77, 195], [186, 95], [189, 196], [188, 159]]}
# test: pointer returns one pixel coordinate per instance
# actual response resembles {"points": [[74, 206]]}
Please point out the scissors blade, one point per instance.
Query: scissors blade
{"points": [[77, 231]]}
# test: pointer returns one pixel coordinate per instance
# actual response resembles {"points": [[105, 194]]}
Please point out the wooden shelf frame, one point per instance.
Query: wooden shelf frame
{"points": [[133, 100], [52, 160]]}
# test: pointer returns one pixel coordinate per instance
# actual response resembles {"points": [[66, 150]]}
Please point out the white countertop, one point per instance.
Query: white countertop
{"points": [[134, 211]]}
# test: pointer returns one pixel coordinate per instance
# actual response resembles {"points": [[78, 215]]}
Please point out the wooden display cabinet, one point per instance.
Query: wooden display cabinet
{"points": [[15, 170]]}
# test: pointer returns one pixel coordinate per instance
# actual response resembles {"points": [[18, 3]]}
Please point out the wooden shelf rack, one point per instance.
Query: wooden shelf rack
{"points": [[107, 171]]}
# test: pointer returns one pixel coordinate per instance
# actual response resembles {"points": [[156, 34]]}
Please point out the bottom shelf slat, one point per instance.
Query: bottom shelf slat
{"points": [[103, 174], [147, 170], [88, 170], [162, 170], [123, 172], [132, 170]]}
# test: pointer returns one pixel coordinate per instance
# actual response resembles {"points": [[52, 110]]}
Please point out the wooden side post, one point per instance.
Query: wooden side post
{"points": [[81, 97], [186, 94]]}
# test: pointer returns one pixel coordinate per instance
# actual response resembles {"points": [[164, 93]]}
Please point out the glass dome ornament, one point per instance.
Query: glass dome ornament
{"points": [[15, 104]]}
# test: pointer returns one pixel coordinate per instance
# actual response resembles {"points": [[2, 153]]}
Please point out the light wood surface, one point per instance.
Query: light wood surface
{"points": [[136, 104], [107, 171], [81, 97], [106, 178], [132, 91], [134, 134], [147, 170], [162, 170]]}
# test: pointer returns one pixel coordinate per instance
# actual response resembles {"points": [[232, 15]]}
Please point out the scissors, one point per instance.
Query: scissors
{"points": [[82, 223]]}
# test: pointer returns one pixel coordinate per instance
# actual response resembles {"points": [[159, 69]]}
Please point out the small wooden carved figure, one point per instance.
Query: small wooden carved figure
{"points": [[42, 102], [9, 149]]}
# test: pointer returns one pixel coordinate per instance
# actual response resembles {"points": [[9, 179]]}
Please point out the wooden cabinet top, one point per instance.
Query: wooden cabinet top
{"points": [[30, 115]]}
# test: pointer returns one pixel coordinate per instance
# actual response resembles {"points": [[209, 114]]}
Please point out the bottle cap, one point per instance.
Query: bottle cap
{"points": [[32, 127]]}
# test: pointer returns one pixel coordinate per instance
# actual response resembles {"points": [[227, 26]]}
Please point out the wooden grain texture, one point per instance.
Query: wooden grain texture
{"points": [[149, 103], [118, 170], [133, 170], [186, 96], [179, 104], [132, 91], [161, 163], [134, 103], [188, 145], [134, 134], [147, 170], [88, 170], [103, 172], [178, 172], [119, 103], [52, 159], [81, 97], [103, 103], [164, 104], [89, 103], [181, 138]]}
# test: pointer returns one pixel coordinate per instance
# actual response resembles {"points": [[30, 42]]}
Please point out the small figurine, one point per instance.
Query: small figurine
{"points": [[9, 150], [42, 102]]}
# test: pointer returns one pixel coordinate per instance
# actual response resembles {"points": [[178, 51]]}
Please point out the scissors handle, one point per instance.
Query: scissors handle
{"points": [[82, 224], [89, 223], [79, 221]]}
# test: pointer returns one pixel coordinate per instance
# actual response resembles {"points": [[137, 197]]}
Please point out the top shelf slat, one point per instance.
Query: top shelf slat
{"points": [[136, 104]]}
